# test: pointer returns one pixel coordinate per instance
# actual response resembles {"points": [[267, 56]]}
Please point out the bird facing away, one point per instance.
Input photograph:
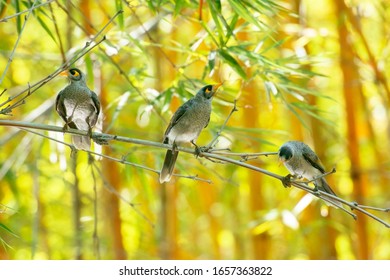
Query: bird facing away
{"points": [[185, 126], [78, 106], [302, 162]]}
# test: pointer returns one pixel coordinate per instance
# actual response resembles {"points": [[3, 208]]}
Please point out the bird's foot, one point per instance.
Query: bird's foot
{"points": [[89, 131], [286, 181], [200, 149], [65, 127], [354, 203], [100, 139], [67, 124]]}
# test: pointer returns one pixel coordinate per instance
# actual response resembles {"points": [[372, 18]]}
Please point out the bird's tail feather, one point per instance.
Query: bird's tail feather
{"points": [[168, 166], [81, 142], [322, 185]]}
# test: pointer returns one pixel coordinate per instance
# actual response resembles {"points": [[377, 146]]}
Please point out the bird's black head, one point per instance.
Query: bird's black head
{"points": [[285, 153], [75, 74], [209, 90]]}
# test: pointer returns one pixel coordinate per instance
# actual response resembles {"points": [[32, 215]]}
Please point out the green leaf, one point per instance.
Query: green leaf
{"points": [[46, 28], [7, 229], [232, 63], [119, 7], [18, 20], [216, 15], [244, 12]]}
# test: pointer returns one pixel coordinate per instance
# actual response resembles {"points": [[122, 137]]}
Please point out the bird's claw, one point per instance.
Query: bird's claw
{"points": [[65, 127], [100, 140], [286, 181], [201, 150]]}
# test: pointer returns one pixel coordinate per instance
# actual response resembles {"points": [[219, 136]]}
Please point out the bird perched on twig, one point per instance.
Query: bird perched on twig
{"points": [[302, 162], [185, 126], [78, 106]]}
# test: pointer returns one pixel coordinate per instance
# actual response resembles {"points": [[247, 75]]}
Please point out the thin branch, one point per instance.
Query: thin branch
{"points": [[320, 194], [114, 191], [16, 44], [5, 19], [58, 33], [1, 93], [122, 160], [322, 175], [78, 55], [211, 144], [243, 156], [115, 64], [372, 208], [125, 162], [32, 88], [107, 24]]}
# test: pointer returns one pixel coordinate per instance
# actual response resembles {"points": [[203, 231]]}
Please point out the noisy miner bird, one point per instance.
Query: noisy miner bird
{"points": [[302, 162], [185, 126], [78, 106]]}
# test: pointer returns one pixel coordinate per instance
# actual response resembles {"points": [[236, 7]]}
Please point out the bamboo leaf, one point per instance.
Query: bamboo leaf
{"points": [[232, 63], [215, 11], [119, 7], [244, 12], [46, 28], [18, 20], [4, 227]]}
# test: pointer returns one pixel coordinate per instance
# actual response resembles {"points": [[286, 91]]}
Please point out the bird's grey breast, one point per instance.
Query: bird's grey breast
{"points": [[191, 123], [78, 102]]}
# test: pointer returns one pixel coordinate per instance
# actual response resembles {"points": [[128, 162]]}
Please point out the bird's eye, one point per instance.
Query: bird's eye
{"points": [[208, 90], [74, 73]]}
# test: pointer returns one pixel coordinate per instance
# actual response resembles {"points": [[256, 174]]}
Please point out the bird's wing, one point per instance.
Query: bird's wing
{"points": [[60, 108], [207, 123], [313, 159], [178, 115], [96, 102]]}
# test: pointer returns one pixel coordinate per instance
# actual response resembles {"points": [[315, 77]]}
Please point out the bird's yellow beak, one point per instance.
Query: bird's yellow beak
{"points": [[64, 73], [215, 87]]}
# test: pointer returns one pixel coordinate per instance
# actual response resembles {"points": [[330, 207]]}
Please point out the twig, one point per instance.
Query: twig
{"points": [[125, 162], [79, 54], [58, 33], [16, 44], [243, 156], [107, 157], [1, 93], [115, 64], [320, 194], [107, 24], [371, 207], [26, 11], [211, 144], [322, 175], [32, 88], [114, 191], [122, 160]]}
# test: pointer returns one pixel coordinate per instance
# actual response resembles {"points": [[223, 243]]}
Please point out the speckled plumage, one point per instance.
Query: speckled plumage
{"points": [[185, 126], [302, 162], [79, 107]]}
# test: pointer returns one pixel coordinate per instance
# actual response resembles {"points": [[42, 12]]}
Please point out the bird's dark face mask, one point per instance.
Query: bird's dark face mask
{"points": [[210, 90], [285, 154], [75, 74]]}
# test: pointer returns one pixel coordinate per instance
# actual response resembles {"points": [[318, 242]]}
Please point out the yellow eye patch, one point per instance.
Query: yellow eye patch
{"points": [[74, 73]]}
